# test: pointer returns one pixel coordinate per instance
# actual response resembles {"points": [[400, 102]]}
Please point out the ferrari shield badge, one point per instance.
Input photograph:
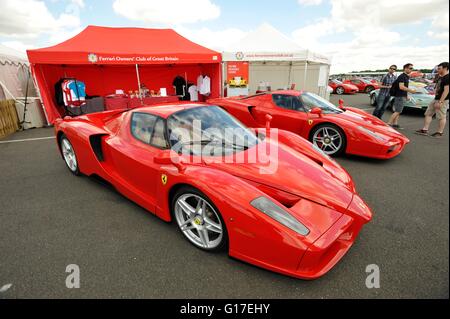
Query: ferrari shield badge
{"points": [[164, 179], [310, 122]]}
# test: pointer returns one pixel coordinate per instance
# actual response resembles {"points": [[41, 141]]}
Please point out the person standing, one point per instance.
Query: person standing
{"points": [[400, 89], [439, 105], [383, 96]]}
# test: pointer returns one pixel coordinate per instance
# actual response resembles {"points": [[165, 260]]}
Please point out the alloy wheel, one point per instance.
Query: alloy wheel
{"points": [[69, 155], [328, 139], [199, 221]]}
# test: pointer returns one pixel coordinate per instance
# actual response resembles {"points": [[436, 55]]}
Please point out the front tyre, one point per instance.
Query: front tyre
{"points": [[373, 100], [69, 155], [329, 138], [369, 89], [199, 220]]}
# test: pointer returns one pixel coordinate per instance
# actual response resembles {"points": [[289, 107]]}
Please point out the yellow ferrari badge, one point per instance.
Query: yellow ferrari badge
{"points": [[164, 179], [310, 122]]}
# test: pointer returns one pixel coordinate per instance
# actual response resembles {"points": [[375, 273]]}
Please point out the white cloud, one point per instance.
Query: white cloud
{"points": [[385, 13], [371, 44], [438, 35], [32, 18], [19, 46], [79, 3], [217, 40], [310, 2], [173, 12]]}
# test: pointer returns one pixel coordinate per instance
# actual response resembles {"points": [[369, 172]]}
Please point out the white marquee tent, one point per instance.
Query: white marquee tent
{"points": [[17, 84], [278, 60], [13, 74]]}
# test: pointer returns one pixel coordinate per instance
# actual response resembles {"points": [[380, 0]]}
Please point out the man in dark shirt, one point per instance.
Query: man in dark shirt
{"points": [[383, 95], [401, 89], [439, 105]]}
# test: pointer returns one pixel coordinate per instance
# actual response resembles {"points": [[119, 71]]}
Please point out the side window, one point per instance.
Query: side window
{"points": [[356, 81], [287, 102], [158, 137], [279, 100], [148, 129]]}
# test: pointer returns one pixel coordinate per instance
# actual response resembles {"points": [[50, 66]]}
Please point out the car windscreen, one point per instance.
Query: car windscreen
{"points": [[208, 131], [311, 100]]}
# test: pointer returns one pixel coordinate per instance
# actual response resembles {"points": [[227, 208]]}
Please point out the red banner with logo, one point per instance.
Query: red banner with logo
{"points": [[237, 74]]}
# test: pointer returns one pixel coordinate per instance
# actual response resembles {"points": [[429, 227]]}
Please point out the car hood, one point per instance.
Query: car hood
{"points": [[422, 97], [293, 173], [368, 121]]}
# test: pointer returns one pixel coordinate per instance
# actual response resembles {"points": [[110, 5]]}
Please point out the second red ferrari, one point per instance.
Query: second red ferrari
{"points": [[363, 85], [343, 88], [332, 129]]}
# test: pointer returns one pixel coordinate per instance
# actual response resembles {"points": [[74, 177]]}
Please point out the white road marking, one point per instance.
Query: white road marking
{"points": [[5, 288], [28, 140]]}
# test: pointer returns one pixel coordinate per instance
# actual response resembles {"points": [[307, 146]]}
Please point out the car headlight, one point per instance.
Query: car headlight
{"points": [[371, 133], [276, 212]]}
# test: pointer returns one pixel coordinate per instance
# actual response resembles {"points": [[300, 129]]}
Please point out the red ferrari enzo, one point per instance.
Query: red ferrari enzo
{"points": [[334, 130], [298, 217], [342, 88]]}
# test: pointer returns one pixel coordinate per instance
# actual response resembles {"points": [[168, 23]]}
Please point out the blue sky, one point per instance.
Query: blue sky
{"points": [[356, 34]]}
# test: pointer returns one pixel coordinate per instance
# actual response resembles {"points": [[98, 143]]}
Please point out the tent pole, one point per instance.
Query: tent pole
{"points": [[289, 84], [139, 82], [305, 75]]}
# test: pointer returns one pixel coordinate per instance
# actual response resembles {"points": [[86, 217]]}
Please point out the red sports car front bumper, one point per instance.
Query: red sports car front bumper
{"points": [[332, 240]]}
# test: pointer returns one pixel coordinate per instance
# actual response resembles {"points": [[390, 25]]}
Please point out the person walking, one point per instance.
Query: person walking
{"points": [[383, 96], [439, 105], [400, 89]]}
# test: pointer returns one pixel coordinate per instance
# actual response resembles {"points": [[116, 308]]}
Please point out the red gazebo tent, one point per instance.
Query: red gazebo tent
{"points": [[106, 59]]}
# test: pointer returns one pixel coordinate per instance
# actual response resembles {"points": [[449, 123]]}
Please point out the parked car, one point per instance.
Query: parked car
{"points": [[332, 129], [417, 84], [419, 100], [363, 85], [342, 88], [298, 219]]}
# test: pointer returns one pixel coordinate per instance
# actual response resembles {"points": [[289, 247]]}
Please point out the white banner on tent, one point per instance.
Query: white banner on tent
{"points": [[305, 55]]}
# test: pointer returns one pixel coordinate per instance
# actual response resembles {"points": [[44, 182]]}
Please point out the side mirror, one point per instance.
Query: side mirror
{"points": [[341, 103], [168, 157], [316, 111]]}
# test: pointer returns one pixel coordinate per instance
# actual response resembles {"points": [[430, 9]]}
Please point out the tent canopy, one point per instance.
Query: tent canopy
{"points": [[107, 59], [268, 44], [105, 45]]}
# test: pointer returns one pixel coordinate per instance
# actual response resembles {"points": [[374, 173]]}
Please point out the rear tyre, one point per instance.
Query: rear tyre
{"points": [[69, 155], [199, 220], [340, 90], [329, 138]]}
